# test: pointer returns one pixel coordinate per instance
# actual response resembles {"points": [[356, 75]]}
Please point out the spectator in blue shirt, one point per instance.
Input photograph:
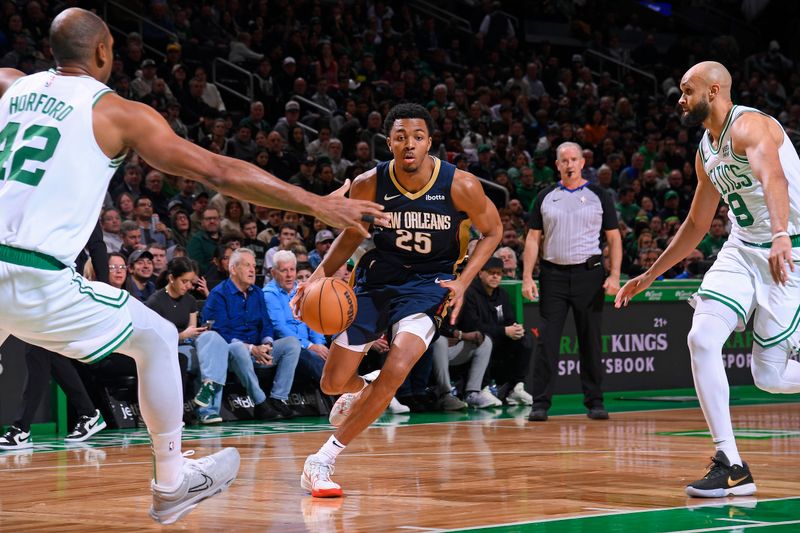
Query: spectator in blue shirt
{"points": [[277, 293], [242, 331]]}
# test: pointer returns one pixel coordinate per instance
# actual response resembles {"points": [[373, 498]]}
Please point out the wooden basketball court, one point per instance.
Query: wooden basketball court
{"points": [[486, 471]]}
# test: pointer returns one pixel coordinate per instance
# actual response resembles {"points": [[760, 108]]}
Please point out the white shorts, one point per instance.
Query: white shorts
{"points": [[63, 312], [740, 278], [418, 324]]}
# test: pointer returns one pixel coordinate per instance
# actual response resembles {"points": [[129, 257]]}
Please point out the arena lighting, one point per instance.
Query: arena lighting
{"points": [[662, 8]]}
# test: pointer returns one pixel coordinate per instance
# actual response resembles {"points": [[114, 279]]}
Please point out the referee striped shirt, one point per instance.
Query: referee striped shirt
{"points": [[572, 222]]}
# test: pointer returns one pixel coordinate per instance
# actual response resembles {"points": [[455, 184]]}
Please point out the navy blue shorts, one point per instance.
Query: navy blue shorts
{"points": [[389, 293]]}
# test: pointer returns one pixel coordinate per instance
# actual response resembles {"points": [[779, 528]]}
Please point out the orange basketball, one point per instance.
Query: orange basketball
{"points": [[328, 306]]}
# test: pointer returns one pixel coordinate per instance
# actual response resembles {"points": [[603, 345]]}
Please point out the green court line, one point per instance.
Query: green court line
{"points": [[779, 514]]}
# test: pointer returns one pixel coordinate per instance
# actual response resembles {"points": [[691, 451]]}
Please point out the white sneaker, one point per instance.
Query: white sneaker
{"points": [[483, 399], [86, 427], [16, 439], [341, 409], [519, 396], [396, 408], [202, 479], [316, 479]]}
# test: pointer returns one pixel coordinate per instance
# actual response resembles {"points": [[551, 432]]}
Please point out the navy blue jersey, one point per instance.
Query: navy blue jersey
{"points": [[427, 234]]}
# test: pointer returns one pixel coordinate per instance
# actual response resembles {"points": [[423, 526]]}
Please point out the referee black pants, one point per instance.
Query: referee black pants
{"points": [[563, 288]]}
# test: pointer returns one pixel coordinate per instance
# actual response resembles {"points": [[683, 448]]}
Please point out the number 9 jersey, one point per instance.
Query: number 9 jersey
{"points": [[426, 233], [53, 175], [732, 176]]}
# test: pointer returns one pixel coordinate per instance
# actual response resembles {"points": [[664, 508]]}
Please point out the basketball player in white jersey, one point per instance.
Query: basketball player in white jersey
{"points": [[746, 158], [62, 134]]}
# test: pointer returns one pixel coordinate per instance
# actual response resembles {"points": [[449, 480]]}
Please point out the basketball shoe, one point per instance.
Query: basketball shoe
{"points": [[86, 427], [15, 439], [722, 480], [519, 396], [202, 478], [316, 479]]}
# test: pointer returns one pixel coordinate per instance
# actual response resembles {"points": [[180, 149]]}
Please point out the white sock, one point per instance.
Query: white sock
{"points": [[167, 455], [330, 450], [708, 334]]}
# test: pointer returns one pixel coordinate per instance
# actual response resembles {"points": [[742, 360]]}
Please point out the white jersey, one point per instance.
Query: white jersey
{"points": [[742, 191], [53, 175]]}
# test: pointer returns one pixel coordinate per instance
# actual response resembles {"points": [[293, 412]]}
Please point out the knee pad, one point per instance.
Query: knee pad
{"points": [[712, 324], [768, 367]]}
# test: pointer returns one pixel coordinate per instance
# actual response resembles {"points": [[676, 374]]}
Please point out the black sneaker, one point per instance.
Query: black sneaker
{"points": [[15, 439], [538, 415], [597, 413], [264, 411], [86, 427], [722, 480], [281, 407]]}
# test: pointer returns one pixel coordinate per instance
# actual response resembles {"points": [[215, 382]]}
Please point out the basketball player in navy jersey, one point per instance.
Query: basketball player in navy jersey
{"points": [[406, 283]]}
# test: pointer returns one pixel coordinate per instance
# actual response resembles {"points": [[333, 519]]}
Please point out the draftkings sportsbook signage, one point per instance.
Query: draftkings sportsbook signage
{"points": [[644, 345]]}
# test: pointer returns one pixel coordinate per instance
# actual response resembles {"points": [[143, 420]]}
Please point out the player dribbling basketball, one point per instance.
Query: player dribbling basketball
{"points": [[404, 284]]}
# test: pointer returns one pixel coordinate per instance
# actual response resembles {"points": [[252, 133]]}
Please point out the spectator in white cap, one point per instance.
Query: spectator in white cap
{"points": [[322, 243], [291, 116]]}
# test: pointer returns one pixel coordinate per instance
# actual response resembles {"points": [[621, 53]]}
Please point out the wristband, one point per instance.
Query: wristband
{"points": [[460, 335], [251, 348], [780, 234]]}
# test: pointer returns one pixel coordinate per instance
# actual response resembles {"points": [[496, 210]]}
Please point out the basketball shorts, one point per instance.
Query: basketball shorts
{"points": [[386, 294], [740, 278], [62, 311]]}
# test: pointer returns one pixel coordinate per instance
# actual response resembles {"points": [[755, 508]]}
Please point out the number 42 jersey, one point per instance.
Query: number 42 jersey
{"points": [[733, 177], [53, 175], [426, 234]]}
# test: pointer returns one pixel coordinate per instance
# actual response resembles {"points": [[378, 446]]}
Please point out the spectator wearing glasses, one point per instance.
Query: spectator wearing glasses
{"points": [[203, 243]]}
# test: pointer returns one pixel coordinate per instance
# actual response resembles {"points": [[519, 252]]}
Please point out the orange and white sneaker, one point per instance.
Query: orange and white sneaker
{"points": [[341, 409], [316, 479]]}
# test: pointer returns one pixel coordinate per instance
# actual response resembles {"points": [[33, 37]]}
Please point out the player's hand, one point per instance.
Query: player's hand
{"points": [[530, 290], [779, 254], [611, 285], [631, 289], [457, 290], [340, 212]]}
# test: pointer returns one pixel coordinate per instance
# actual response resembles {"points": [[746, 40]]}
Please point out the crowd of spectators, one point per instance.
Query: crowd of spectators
{"points": [[325, 75]]}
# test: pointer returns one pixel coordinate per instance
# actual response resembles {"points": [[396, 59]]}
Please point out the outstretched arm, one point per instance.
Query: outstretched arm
{"points": [[691, 232], [121, 124]]}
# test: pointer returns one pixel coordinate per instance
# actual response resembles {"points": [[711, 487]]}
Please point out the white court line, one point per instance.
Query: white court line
{"points": [[742, 520], [424, 529], [710, 504], [607, 509], [744, 526]]}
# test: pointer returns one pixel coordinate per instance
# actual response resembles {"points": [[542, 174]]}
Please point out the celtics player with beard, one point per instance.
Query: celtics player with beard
{"points": [[745, 158], [65, 130]]}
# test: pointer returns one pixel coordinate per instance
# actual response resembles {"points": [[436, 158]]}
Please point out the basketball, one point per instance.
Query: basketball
{"points": [[328, 306]]}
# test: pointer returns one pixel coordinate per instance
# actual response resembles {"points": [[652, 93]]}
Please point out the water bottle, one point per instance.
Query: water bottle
{"points": [[154, 220], [493, 388]]}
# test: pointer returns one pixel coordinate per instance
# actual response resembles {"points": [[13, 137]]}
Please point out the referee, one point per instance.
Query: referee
{"points": [[567, 221]]}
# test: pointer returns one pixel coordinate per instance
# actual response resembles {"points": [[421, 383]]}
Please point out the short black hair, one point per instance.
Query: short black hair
{"points": [[407, 110], [74, 35]]}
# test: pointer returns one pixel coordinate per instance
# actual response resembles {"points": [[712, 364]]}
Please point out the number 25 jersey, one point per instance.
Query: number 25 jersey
{"points": [[53, 175], [426, 234]]}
